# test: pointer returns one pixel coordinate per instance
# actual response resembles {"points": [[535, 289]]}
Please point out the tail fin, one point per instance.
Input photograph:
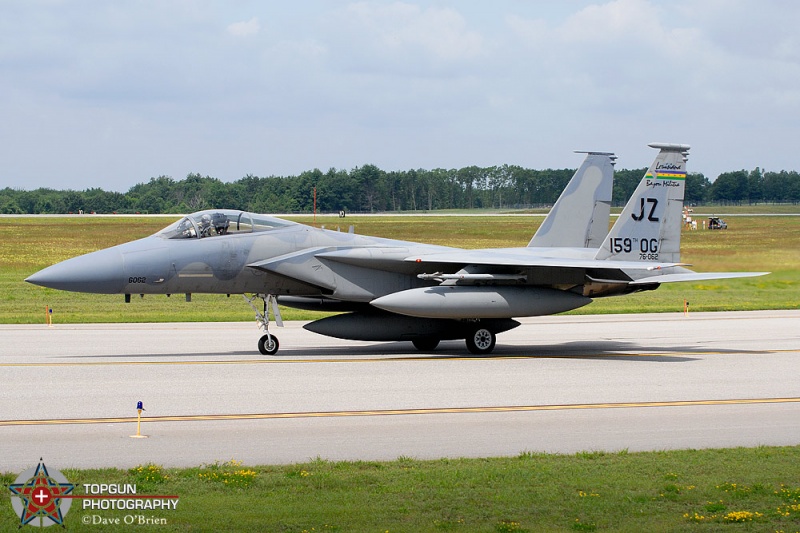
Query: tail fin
{"points": [[580, 216], [649, 228]]}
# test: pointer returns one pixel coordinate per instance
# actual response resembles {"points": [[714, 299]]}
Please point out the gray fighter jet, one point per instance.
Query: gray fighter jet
{"points": [[391, 290]]}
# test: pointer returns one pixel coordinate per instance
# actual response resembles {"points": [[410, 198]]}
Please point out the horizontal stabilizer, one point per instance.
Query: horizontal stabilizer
{"points": [[695, 276]]}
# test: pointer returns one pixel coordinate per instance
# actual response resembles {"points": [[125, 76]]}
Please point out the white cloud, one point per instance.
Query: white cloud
{"points": [[245, 28], [612, 21], [402, 31]]}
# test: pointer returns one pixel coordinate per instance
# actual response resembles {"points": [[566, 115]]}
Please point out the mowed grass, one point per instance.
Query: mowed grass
{"points": [[28, 244], [740, 489]]}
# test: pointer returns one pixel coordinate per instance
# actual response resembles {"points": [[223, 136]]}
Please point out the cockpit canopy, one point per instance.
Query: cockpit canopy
{"points": [[215, 222]]}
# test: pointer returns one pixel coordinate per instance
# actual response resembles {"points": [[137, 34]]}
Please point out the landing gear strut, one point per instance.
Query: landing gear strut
{"points": [[268, 344]]}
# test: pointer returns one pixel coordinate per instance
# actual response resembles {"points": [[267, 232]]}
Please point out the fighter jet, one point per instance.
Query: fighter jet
{"points": [[393, 290]]}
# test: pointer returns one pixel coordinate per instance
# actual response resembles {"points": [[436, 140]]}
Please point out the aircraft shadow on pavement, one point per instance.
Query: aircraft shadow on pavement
{"points": [[188, 356], [616, 350], [601, 349]]}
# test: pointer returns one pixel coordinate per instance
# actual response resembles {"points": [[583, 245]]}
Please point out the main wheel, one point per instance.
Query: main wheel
{"points": [[481, 341], [268, 345], [425, 345]]}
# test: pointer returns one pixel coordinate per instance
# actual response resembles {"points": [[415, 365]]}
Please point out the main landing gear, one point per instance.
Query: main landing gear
{"points": [[267, 344], [481, 341]]}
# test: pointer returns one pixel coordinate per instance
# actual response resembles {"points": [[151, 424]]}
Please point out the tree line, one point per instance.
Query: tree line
{"points": [[369, 189]]}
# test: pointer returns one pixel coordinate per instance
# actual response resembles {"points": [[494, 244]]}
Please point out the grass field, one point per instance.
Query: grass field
{"points": [[28, 244], [740, 489]]}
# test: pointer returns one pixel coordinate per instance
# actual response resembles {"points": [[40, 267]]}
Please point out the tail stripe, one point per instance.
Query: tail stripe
{"points": [[669, 175]]}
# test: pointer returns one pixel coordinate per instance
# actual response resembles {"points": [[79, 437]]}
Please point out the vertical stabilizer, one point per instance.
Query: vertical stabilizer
{"points": [[580, 216], [649, 228]]}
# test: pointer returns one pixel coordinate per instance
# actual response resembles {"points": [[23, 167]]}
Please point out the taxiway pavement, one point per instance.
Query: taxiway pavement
{"points": [[555, 384]]}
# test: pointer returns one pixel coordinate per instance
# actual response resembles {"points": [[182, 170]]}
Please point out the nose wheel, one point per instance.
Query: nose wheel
{"points": [[268, 344]]}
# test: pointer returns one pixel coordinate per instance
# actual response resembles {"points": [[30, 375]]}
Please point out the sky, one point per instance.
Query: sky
{"points": [[111, 94]]}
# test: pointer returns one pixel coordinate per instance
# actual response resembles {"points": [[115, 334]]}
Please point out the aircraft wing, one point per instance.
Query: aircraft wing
{"points": [[508, 259], [305, 264], [301, 266]]}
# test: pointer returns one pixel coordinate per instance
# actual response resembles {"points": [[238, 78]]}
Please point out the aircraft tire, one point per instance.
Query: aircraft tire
{"points": [[425, 345], [481, 341], [266, 347]]}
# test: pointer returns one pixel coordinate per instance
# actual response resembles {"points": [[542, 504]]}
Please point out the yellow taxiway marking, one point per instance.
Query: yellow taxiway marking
{"points": [[388, 412], [387, 358]]}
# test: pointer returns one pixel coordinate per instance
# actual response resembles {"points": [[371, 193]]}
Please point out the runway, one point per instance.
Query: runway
{"points": [[556, 384]]}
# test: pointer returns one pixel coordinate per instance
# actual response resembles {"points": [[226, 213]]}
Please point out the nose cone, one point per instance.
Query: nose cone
{"points": [[99, 272]]}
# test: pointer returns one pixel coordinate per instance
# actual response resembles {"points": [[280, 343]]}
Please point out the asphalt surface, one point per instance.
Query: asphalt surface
{"points": [[556, 384]]}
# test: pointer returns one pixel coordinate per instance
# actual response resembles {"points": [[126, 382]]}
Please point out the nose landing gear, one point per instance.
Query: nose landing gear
{"points": [[268, 344]]}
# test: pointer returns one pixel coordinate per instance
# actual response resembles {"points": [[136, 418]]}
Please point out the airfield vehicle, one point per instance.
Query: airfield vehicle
{"points": [[716, 223]]}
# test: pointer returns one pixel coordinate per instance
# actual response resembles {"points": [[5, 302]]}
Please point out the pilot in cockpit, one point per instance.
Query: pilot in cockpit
{"points": [[213, 224], [204, 224]]}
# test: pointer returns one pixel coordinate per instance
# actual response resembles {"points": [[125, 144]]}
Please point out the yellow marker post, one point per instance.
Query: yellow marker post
{"points": [[139, 409], [48, 315], [685, 308]]}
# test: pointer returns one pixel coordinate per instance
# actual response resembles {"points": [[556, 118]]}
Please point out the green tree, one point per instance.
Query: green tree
{"points": [[337, 190], [8, 203], [697, 187], [625, 182], [371, 184], [755, 186], [730, 187]]}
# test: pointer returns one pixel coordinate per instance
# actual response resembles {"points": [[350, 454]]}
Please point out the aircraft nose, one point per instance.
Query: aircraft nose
{"points": [[98, 272]]}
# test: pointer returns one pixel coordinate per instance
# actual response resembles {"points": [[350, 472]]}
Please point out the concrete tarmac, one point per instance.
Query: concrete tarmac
{"points": [[556, 384]]}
